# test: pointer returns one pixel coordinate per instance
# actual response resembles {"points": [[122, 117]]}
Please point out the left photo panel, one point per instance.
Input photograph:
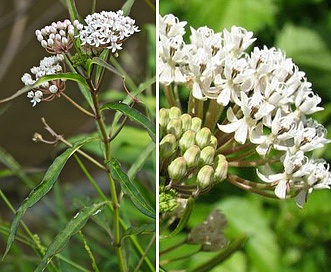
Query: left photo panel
{"points": [[78, 135]]}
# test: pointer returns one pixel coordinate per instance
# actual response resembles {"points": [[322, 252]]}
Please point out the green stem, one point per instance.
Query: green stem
{"points": [[169, 94], [110, 207], [213, 114], [164, 262], [77, 106], [222, 256], [105, 138]]}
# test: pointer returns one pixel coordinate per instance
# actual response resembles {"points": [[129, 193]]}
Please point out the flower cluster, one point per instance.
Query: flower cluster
{"points": [[106, 29], [57, 37], [48, 66], [267, 98]]}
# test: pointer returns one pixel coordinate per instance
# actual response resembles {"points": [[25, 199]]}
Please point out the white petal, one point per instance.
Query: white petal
{"points": [[280, 190], [229, 128], [241, 133], [301, 198]]}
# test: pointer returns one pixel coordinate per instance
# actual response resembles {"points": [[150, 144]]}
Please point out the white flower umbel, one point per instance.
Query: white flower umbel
{"points": [[106, 29], [265, 96], [48, 66], [57, 37]]}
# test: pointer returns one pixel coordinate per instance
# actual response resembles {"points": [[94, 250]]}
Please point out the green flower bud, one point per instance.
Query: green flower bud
{"points": [[168, 146], [175, 127], [192, 156], [205, 177], [202, 138], [177, 169], [213, 141], [196, 124], [164, 118], [207, 155], [168, 200], [187, 140], [186, 121], [174, 112], [221, 169]]}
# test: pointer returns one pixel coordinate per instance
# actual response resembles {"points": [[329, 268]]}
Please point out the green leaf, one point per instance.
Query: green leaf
{"points": [[248, 217], [103, 63], [71, 5], [130, 189], [43, 188], [183, 220], [72, 227], [134, 115], [144, 228], [66, 76], [127, 7]]}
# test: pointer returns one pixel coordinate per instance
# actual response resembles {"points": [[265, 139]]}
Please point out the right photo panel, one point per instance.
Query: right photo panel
{"points": [[245, 104]]}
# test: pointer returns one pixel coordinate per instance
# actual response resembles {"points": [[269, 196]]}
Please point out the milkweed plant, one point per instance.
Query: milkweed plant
{"points": [[85, 52], [248, 107]]}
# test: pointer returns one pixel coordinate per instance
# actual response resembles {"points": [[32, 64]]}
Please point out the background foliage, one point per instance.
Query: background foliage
{"points": [[281, 236]]}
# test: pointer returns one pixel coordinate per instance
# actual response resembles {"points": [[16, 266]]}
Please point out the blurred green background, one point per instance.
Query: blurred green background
{"points": [[282, 237]]}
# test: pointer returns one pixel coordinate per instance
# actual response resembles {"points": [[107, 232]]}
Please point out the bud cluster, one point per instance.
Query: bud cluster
{"points": [[56, 38], [188, 151]]}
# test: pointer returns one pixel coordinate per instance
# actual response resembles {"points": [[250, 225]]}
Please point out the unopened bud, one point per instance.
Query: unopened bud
{"points": [[37, 137], [192, 156], [186, 121], [205, 177], [168, 146], [213, 141], [187, 140], [221, 169], [202, 138], [175, 127], [196, 124], [177, 169], [207, 155], [163, 117], [174, 112]]}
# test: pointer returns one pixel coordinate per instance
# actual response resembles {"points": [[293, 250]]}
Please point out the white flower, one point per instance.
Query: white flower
{"points": [[170, 26], [36, 97], [172, 54], [106, 29], [237, 40]]}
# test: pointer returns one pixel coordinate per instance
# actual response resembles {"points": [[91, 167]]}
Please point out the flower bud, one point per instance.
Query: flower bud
{"points": [[187, 140], [168, 146], [207, 155], [196, 124], [202, 138], [177, 169], [174, 112], [213, 142], [186, 121], [221, 169], [192, 156], [205, 177], [163, 117], [175, 127]]}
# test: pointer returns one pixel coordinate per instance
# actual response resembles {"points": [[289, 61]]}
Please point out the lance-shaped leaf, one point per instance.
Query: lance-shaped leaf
{"points": [[73, 226], [71, 5], [127, 7], [65, 76], [130, 189], [144, 228], [103, 63], [183, 220], [134, 115], [43, 188]]}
